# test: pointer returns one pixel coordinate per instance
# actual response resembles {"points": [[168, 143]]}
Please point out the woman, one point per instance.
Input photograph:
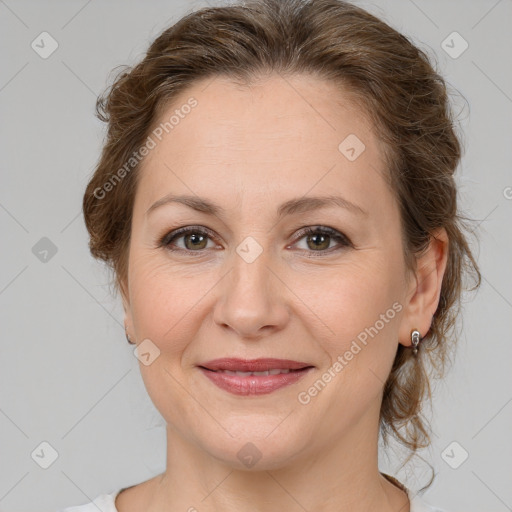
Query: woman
{"points": [[277, 201]]}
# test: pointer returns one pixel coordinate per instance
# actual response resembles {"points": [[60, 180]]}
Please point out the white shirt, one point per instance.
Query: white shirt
{"points": [[106, 503]]}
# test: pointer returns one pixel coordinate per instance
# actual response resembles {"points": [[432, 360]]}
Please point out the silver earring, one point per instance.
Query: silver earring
{"points": [[415, 339]]}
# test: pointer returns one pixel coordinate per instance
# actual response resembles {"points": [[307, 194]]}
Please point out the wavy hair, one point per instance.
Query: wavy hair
{"points": [[394, 83]]}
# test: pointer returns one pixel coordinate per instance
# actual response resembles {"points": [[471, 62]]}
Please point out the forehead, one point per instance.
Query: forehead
{"points": [[280, 134], [314, 108]]}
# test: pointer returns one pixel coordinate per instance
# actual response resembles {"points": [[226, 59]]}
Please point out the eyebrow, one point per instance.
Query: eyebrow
{"points": [[293, 206]]}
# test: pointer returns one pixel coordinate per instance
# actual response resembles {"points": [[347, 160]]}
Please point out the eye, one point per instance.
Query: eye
{"points": [[195, 239], [319, 238]]}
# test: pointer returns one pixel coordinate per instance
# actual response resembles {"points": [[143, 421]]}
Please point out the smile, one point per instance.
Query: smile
{"points": [[256, 377]]}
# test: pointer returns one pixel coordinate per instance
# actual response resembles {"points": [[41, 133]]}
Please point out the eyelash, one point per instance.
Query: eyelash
{"points": [[166, 240]]}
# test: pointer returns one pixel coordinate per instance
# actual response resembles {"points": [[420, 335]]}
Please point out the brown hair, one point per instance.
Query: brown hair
{"points": [[388, 77]]}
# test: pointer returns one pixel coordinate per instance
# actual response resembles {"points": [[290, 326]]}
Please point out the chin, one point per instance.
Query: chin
{"points": [[255, 449]]}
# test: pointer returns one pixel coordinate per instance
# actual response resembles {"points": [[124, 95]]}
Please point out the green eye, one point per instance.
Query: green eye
{"points": [[321, 239], [195, 240]]}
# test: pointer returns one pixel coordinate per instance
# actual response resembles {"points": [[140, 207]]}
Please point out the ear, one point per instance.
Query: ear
{"points": [[125, 297], [425, 288]]}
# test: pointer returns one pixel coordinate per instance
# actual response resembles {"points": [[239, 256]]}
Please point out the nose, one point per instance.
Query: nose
{"points": [[252, 300]]}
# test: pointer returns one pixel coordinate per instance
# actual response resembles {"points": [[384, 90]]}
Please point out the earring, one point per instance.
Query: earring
{"points": [[128, 339], [415, 339]]}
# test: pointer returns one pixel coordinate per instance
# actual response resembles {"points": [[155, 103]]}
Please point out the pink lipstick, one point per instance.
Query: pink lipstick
{"points": [[254, 377]]}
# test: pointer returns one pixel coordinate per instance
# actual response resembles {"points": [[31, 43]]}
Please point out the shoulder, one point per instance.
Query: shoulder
{"points": [[418, 504], [103, 503], [106, 503]]}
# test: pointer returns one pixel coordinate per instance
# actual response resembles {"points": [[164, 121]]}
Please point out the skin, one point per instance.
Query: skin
{"points": [[249, 149]]}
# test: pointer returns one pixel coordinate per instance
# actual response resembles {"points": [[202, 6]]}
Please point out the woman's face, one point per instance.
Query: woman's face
{"points": [[246, 283]]}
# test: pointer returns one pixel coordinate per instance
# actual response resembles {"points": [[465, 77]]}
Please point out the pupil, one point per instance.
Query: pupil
{"points": [[322, 237], [196, 239]]}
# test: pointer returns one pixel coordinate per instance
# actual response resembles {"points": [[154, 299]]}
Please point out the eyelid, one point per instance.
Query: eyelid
{"points": [[341, 238], [321, 229], [166, 239]]}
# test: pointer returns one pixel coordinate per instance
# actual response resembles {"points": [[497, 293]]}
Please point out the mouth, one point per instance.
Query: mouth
{"points": [[254, 377]]}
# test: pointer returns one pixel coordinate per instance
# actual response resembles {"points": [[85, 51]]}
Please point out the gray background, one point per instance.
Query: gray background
{"points": [[69, 378]]}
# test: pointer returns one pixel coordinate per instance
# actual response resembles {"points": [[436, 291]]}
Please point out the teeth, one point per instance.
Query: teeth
{"points": [[247, 374], [276, 372]]}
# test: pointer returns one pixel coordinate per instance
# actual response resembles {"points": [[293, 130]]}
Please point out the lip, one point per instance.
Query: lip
{"points": [[253, 365], [254, 384]]}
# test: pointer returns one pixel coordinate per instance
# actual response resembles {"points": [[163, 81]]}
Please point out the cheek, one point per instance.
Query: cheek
{"points": [[351, 298], [167, 299], [162, 306], [359, 308], [156, 299]]}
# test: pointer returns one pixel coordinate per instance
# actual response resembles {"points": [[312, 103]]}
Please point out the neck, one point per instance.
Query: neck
{"points": [[334, 475]]}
